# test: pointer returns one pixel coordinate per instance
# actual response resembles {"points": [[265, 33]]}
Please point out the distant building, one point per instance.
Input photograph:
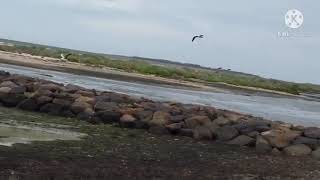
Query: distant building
{"points": [[63, 57]]}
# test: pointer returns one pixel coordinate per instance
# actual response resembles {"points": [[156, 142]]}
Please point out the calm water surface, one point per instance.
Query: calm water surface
{"points": [[295, 111]]}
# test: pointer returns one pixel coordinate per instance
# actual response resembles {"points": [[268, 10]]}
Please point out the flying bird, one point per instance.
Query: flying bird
{"points": [[195, 37]]}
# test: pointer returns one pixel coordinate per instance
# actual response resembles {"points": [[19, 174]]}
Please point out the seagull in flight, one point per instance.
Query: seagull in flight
{"points": [[195, 37]]}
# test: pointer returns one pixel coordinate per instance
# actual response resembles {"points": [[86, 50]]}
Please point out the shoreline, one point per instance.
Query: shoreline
{"points": [[162, 118], [108, 73]]}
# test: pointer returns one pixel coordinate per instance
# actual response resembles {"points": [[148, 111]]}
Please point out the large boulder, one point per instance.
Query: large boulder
{"points": [[87, 114], [177, 118], [144, 115], [175, 128], [70, 88], [18, 90], [262, 145], [312, 132], [160, 118], [202, 132], [106, 106], [226, 133], [88, 100], [195, 121], [222, 121], [5, 90], [78, 107], [43, 100], [62, 102], [53, 109], [230, 115], [28, 104], [42, 92], [280, 138], [9, 84], [86, 93], [128, 121], [11, 100], [242, 140], [213, 127], [120, 98], [248, 127], [109, 116], [297, 150], [316, 153], [51, 87], [311, 142]]}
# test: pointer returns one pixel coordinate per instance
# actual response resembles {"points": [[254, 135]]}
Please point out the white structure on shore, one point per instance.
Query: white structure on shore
{"points": [[63, 57]]}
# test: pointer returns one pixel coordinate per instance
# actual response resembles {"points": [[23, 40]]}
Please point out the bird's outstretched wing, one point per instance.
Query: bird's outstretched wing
{"points": [[194, 38]]}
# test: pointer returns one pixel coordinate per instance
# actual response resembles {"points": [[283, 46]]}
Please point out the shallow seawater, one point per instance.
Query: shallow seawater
{"points": [[296, 111], [13, 134]]}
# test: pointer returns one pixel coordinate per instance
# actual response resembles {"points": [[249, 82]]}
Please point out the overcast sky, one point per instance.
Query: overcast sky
{"points": [[240, 35]]}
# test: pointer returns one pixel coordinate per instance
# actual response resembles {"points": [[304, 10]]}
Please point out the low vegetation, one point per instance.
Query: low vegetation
{"points": [[168, 71]]}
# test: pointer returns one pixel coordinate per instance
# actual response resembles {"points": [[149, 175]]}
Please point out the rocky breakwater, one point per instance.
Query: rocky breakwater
{"points": [[198, 122]]}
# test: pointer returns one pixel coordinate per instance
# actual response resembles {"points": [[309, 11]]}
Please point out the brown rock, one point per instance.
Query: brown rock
{"points": [[312, 132], [53, 109], [197, 121], [160, 118], [51, 87], [62, 102], [86, 93], [175, 127], [28, 104], [222, 121], [18, 90], [44, 100], [202, 132], [78, 107], [311, 142], [88, 100], [11, 100], [253, 134], [276, 151], [9, 84], [226, 133], [297, 150], [70, 88], [43, 92], [280, 138], [87, 114], [105, 106], [316, 154], [242, 140], [262, 145], [127, 120], [145, 115]]}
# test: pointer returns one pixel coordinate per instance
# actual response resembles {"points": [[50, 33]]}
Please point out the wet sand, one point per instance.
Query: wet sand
{"points": [[113, 153]]}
